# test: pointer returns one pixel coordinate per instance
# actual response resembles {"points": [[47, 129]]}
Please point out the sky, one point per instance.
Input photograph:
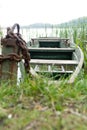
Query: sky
{"points": [[26, 12]]}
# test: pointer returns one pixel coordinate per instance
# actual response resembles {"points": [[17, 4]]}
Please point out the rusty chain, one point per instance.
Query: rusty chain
{"points": [[23, 52]]}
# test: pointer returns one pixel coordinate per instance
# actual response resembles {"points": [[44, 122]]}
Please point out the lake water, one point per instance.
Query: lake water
{"points": [[29, 33]]}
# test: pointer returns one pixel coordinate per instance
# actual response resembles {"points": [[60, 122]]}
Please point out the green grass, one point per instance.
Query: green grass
{"points": [[37, 104]]}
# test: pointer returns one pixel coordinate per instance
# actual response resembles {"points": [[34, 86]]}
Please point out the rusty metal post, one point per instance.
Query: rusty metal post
{"points": [[8, 62], [13, 51]]}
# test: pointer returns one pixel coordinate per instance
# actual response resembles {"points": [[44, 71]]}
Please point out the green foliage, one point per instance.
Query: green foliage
{"points": [[75, 35], [40, 104], [1, 32], [74, 23]]}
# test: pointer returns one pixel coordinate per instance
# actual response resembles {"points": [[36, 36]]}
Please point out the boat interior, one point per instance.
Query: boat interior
{"points": [[54, 57]]}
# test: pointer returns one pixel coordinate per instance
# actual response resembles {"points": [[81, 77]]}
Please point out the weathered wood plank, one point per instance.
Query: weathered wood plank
{"points": [[52, 49], [57, 72], [54, 62], [50, 38]]}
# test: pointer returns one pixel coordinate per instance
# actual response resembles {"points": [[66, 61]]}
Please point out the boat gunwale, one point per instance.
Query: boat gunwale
{"points": [[78, 68]]}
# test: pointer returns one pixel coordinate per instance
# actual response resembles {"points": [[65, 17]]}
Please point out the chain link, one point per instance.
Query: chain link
{"points": [[23, 50]]}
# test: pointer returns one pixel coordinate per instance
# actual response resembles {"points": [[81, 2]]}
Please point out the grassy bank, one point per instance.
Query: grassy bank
{"points": [[37, 104]]}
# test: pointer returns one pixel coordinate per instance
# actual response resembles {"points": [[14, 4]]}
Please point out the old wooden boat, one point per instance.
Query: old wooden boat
{"points": [[56, 57]]}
